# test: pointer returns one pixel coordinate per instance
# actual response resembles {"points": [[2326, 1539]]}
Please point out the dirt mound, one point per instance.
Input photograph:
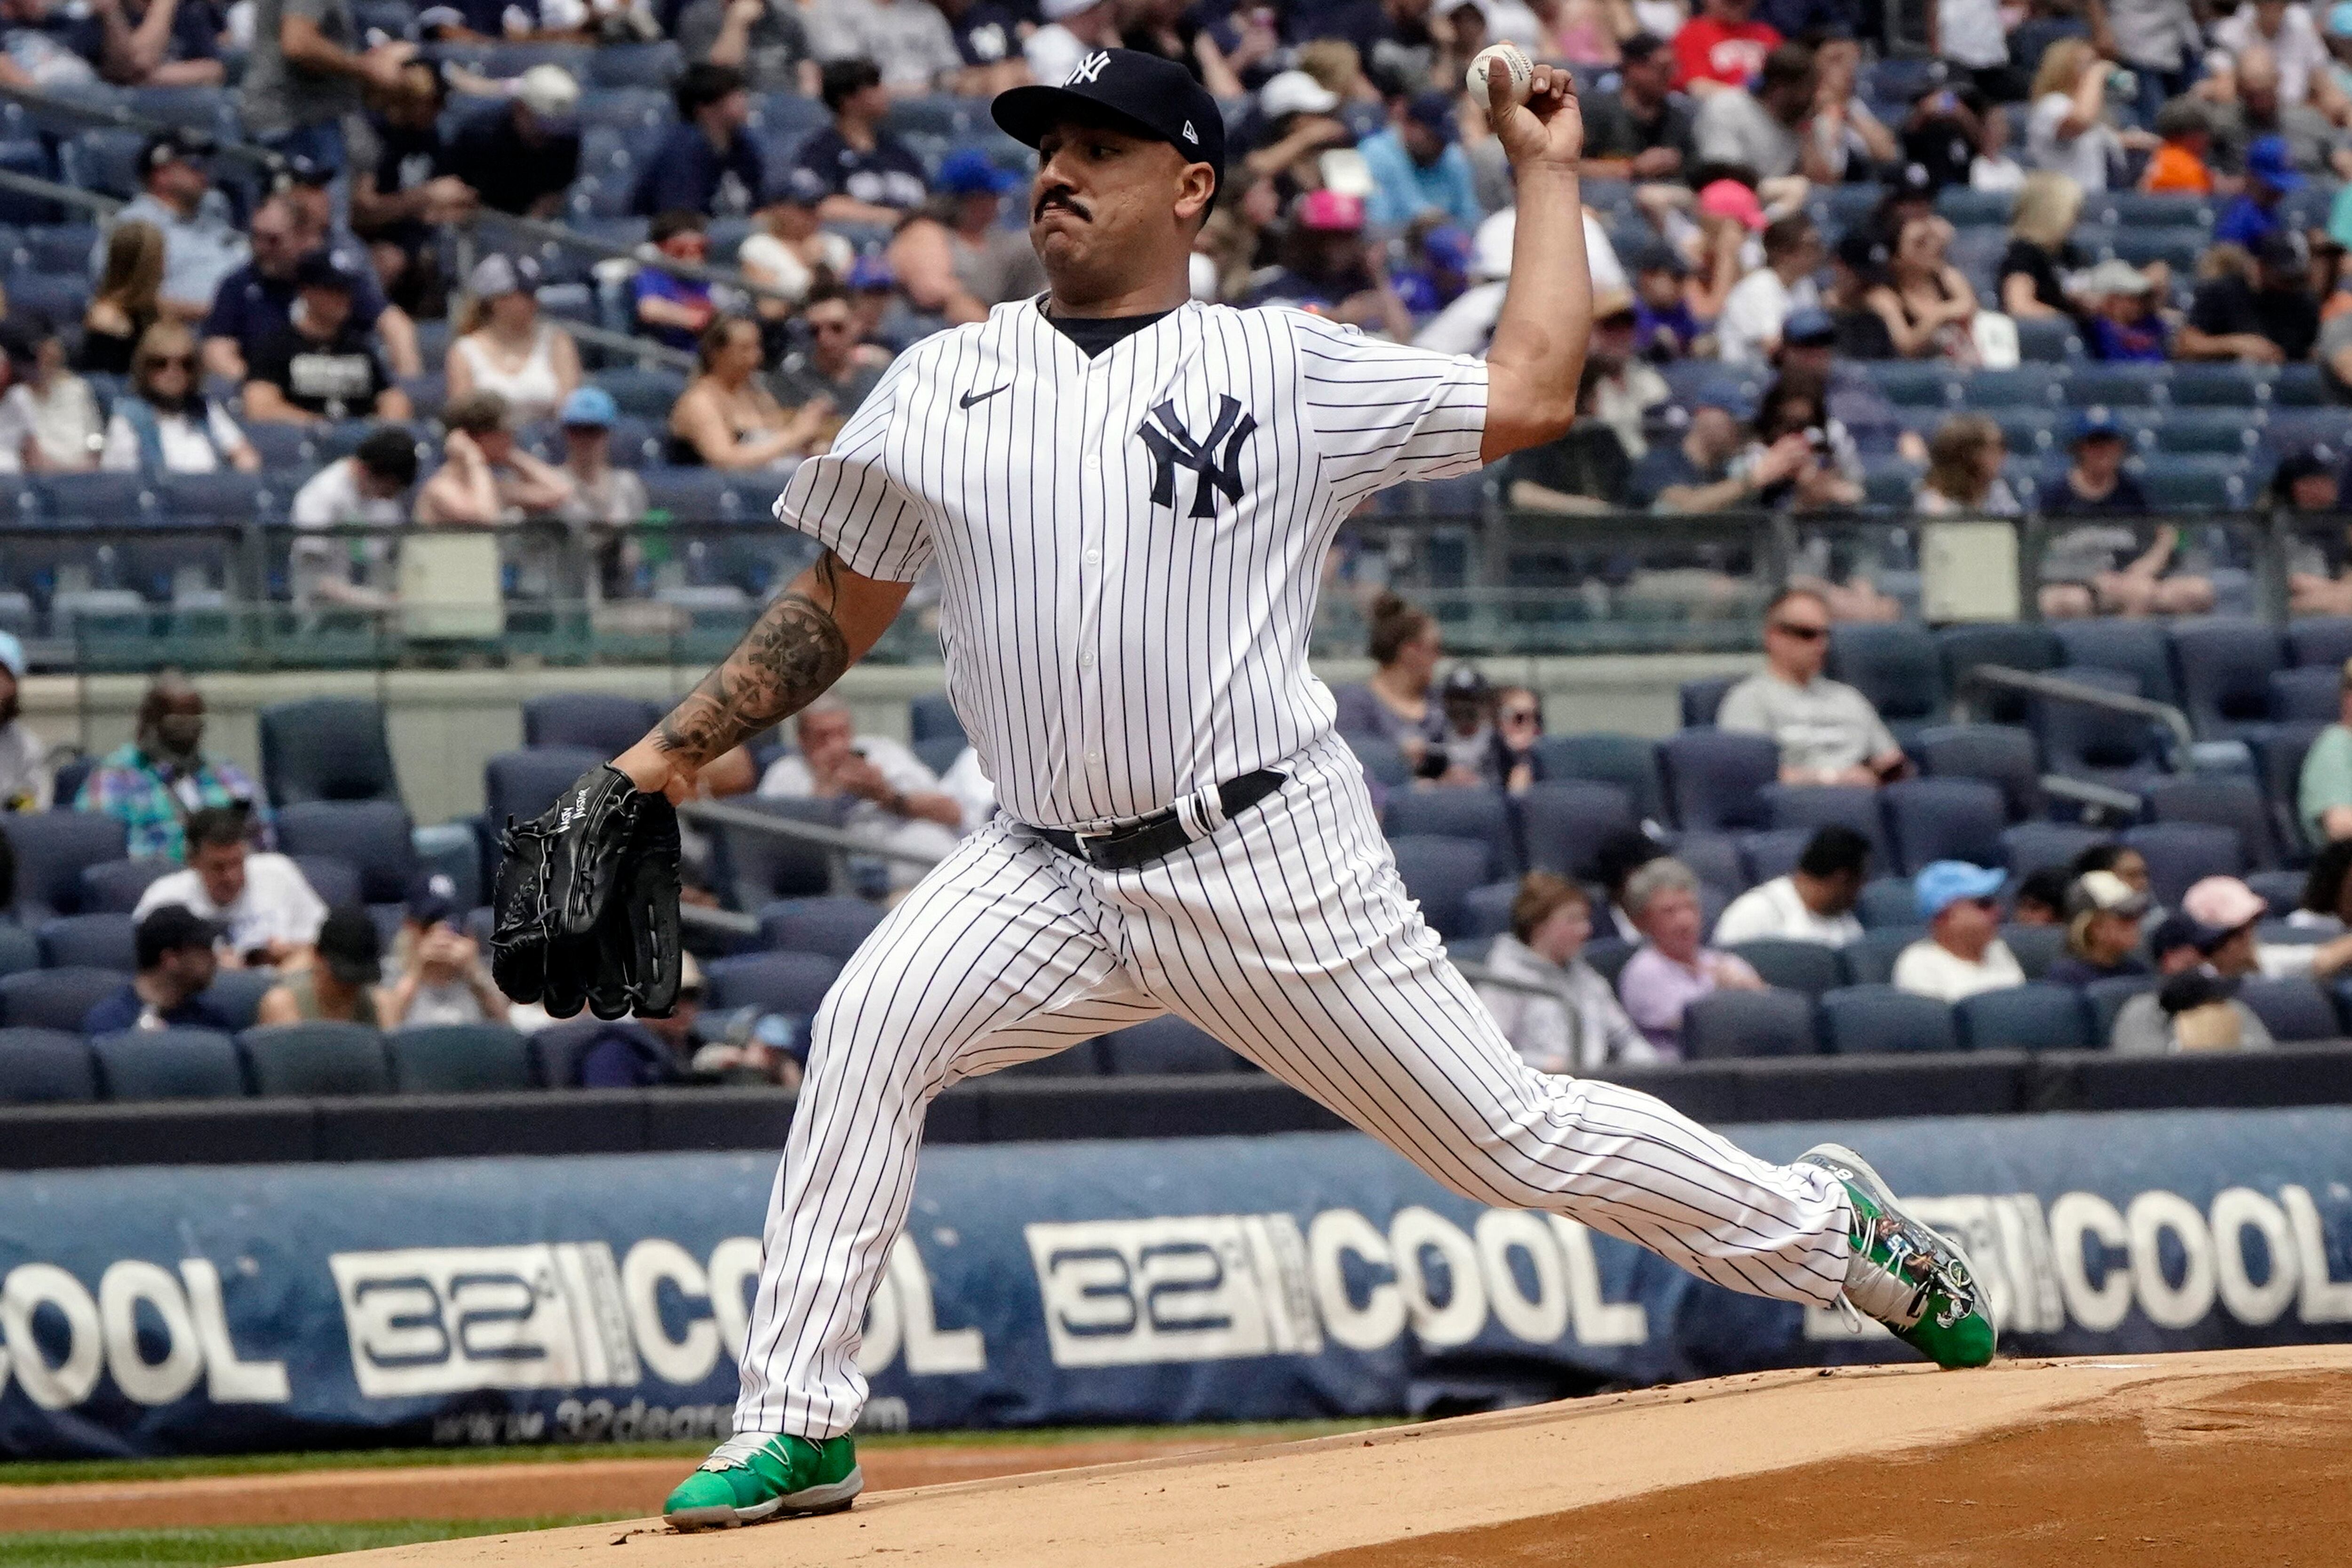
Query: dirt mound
{"points": [[2242, 1456]]}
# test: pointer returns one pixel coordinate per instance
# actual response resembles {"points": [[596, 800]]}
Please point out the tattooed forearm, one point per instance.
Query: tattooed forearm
{"points": [[790, 655]]}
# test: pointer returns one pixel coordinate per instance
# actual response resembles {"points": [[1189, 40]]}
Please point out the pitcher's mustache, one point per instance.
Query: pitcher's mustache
{"points": [[1061, 196]]}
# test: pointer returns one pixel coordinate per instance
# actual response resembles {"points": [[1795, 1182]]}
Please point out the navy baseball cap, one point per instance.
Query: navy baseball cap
{"points": [[2095, 425], [1136, 92], [1809, 328]]}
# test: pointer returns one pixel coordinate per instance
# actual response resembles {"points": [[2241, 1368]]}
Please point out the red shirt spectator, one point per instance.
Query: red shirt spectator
{"points": [[1722, 46]]}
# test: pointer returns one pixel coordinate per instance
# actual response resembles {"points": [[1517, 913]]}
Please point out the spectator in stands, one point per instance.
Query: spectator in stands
{"points": [[260, 903], [1621, 854], [305, 74], [2041, 897], [1627, 391], [1418, 165], [2067, 132], [343, 982], [1297, 122], [2118, 857], [439, 974], [910, 40], [1972, 36], [2124, 325], [257, 299], [2102, 918], [1562, 1017], [2273, 320], [641, 1053], [790, 251], [1801, 459], [1721, 46], [1433, 273], [49, 419], [27, 778], [1849, 139], [155, 42], [1808, 352], [2252, 215], [176, 966], [1827, 731], [202, 245], [2157, 39], [487, 477], [1962, 952], [2324, 793], [1586, 469], [366, 489], [988, 36], [322, 367], [2250, 105], [1761, 302], [835, 370], [507, 347], [764, 39], [1073, 28], [1771, 134], [1330, 269], [1175, 31], [307, 192], [43, 48], [1643, 131], [1394, 705], [1464, 754], [2181, 165], [2196, 1007], [708, 163], [164, 425], [2227, 904], [1695, 473], [672, 308], [1516, 759], [2041, 249], [2292, 36], [1665, 326], [1964, 462], [401, 189], [1927, 303], [895, 801], [2104, 568], [1812, 903], [128, 300], [522, 157], [727, 419], [951, 256], [1671, 970], [152, 781], [604, 499], [873, 177], [2327, 890]]}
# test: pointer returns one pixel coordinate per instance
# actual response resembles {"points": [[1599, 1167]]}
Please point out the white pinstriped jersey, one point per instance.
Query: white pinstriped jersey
{"points": [[1129, 546]]}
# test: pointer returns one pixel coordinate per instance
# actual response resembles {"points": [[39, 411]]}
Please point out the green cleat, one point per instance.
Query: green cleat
{"points": [[1913, 1279], [759, 1475]]}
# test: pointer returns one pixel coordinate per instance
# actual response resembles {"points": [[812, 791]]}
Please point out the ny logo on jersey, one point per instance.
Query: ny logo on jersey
{"points": [[1173, 448], [1088, 69]]}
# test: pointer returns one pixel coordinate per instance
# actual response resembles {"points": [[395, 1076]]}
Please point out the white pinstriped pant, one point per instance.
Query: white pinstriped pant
{"points": [[1286, 934]]}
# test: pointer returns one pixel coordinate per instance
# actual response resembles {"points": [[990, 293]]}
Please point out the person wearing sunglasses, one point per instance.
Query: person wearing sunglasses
{"points": [[164, 425], [1962, 952], [1518, 725], [1827, 731]]}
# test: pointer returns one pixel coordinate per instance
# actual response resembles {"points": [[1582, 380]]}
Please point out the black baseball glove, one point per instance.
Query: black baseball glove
{"points": [[587, 903]]}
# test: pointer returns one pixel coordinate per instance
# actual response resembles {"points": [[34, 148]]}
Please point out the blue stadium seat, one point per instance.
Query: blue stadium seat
{"points": [[933, 716], [1629, 762], [2298, 385], [2207, 432], [1806, 967], [114, 887], [2035, 948], [1714, 860], [1702, 699], [1997, 754], [2079, 740], [831, 926], [939, 753], [2111, 386], [2106, 998], [236, 993], [2320, 639], [1871, 961], [284, 448], [226, 497], [1437, 872], [2193, 484], [2025, 1018], [335, 880], [1735, 1024], [1486, 911], [2014, 645], [169, 1064], [1812, 806], [99, 498], [1916, 384], [761, 868], [373, 836], [2229, 801], [1607, 955], [48, 1067], [1383, 762], [2215, 383], [648, 393], [793, 984], [652, 66], [1771, 853], [20, 949], [1714, 779], [316, 1059], [2307, 695], [523, 784], [2025, 386], [704, 496], [1563, 823], [2180, 854], [1876, 1020], [598, 720], [2292, 1010], [55, 998], [89, 942], [2223, 669], [1887, 902], [1167, 1046], [2030, 846], [1944, 819], [459, 1058], [2049, 343], [1477, 812], [52, 848], [326, 748], [2161, 210], [2278, 762], [2138, 648]]}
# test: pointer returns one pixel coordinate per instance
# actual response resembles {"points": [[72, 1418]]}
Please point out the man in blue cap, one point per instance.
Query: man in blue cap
{"points": [[2270, 177], [1962, 952], [1418, 165], [953, 259]]}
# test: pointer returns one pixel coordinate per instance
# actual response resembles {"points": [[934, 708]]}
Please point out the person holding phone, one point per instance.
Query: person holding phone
{"points": [[1827, 731]]}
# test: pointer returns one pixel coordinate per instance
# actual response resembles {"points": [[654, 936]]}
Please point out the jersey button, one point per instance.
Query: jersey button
{"points": [[1094, 557], [1086, 660], [1094, 757], [1094, 461]]}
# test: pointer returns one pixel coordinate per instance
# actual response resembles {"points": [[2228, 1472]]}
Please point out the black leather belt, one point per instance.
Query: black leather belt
{"points": [[1148, 838]]}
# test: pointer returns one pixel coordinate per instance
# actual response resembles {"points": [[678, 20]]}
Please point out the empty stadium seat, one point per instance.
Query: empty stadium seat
{"points": [[1629, 762], [20, 949], [1714, 860], [169, 1064], [2292, 1010], [236, 993], [89, 942], [335, 880], [2035, 948], [1874, 1020], [2278, 762], [115, 886], [52, 849], [316, 1059], [1714, 779], [521, 784], [832, 926], [1563, 823], [459, 1058], [1701, 699], [2025, 1018], [2224, 670], [1486, 911], [2180, 854], [1997, 754], [2225, 800], [2134, 648], [1887, 902], [55, 998], [46, 1067], [2030, 846], [1896, 665], [2310, 695], [2320, 640], [326, 748], [1437, 871], [1814, 807], [933, 716], [1383, 761], [1771, 853], [1944, 819], [793, 984], [2014, 644], [762, 867], [1479, 812], [1806, 967], [594, 720], [1871, 960], [1734, 1024], [1166, 1045], [372, 835], [2100, 746]]}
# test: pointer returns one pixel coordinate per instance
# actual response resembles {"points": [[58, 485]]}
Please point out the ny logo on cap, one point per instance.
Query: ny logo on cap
{"points": [[1089, 67]]}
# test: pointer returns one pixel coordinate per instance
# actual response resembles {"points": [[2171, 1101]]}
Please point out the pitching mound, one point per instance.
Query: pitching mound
{"points": [[2242, 1456]]}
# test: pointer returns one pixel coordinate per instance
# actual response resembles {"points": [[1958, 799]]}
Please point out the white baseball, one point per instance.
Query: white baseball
{"points": [[1523, 71]]}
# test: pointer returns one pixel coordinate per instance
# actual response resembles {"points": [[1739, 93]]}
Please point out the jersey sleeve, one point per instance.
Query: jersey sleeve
{"points": [[847, 501], [1384, 413]]}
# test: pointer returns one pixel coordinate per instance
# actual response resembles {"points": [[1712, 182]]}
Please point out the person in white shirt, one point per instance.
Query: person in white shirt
{"points": [[164, 425], [1828, 733], [268, 912], [440, 977], [1561, 1015], [49, 421], [1761, 304], [1812, 903], [363, 490], [1465, 326], [896, 802], [788, 248], [2292, 36], [1073, 28], [1962, 952]]}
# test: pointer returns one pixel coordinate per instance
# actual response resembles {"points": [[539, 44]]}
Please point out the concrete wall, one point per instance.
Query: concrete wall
{"points": [[445, 723]]}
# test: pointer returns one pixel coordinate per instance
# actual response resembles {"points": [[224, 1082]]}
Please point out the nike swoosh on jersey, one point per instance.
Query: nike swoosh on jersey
{"points": [[969, 398]]}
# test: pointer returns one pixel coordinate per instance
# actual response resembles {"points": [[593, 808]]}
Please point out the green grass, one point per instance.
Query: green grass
{"points": [[221, 1547]]}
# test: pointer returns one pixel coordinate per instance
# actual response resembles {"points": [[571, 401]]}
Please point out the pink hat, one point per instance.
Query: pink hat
{"points": [[2223, 903], [1729, 198], [1331, 212]]}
